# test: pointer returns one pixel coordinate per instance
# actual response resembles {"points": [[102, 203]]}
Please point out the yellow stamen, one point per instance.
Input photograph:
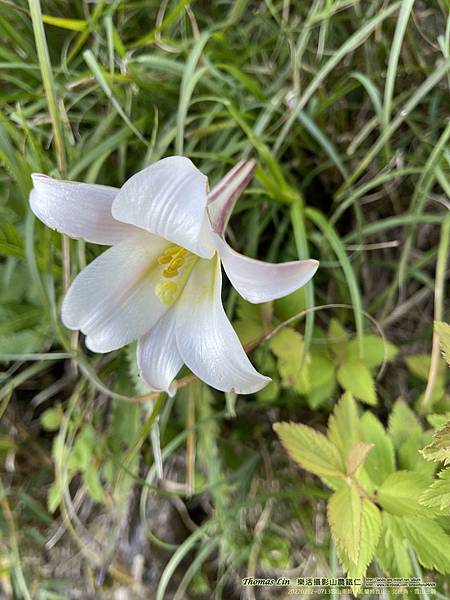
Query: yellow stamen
{"points": [[174, 259]]}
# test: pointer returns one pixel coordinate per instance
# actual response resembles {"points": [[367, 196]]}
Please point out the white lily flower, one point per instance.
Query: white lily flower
{"points": [[160, 282]]}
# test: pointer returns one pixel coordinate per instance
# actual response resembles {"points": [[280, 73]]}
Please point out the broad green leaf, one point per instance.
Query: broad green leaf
{"points": [[337, 339], [443, 331], [439, 448], [392, 551], [381, 460], [287, 344], [370, 535], [356, 378], [410, 458], [356, 456], [430, 542], [290, 305], [343, 425], [419, 365], [288, 347], [344, 517], [376, 351], [402, 423], [438, 494], [52, 417], [400, 491], [310, 449], [248, 331], [322, 379], [270, 392]]}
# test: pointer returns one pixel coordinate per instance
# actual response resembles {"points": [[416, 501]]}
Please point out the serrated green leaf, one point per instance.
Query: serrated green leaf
{"points": [[443, 331], [343, 425], [438, 420], [392, 551], [310, 449], [402, 423], [337, 339], [270, 392], [288, 347], [381, 460], [248, 331], [376, 351], [290, 305], [400, 491], [438, 450], [370, 535], [430, 542], [344, 517], [410, 457], [438, 494], [323, 379], [356, 456], [356, 378]]}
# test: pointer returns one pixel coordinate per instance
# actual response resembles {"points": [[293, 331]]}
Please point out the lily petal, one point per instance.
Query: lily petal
{"points": [[112, 301], [258, 281], [205, 338], [168, 198], [80, 210], [223, 197], [158, 357]]}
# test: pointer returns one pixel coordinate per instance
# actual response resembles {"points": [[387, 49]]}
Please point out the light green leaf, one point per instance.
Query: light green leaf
{"points": [[322, 379], [92, 482], [356, 456], [376, 351], [392, 551], [381, 461], [343, 425], [438, 494], [402, 423], [370, 535], [51, 418], [310, 449], [54, 496], [400, 491], [356, 378], [438, 420], [431, 543], [344, 517], [439, 448], [288, 347], [443, 331], [337, 339], [419, 365], [72, 24]]}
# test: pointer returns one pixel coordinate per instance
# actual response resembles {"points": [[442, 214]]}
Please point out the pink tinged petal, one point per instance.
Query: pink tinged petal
{"points": [[168, 199], [112, 301], [157, 355], [258, 281], [80, 210], [205, 338], [224, 196]]}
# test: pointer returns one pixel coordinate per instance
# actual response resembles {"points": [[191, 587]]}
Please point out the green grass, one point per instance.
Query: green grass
{"points": [[345, 107]]}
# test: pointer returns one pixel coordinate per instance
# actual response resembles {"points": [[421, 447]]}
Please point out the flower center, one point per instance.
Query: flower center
{"points": [[177, 263]]}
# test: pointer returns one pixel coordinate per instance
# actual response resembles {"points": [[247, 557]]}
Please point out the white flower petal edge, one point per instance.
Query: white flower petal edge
{"points": [[112, 301], [158, 357], [258, 281], [80, 210], [224, 195], [168, 198], [206, 339]]}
